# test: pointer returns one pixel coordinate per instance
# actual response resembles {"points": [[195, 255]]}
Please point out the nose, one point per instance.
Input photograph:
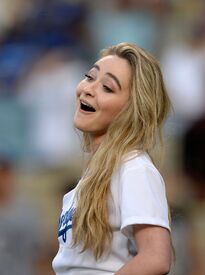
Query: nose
{"points": [[90, 88]]}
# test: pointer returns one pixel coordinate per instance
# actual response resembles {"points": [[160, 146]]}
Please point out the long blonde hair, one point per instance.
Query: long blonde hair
{"points": [[136, 127]]}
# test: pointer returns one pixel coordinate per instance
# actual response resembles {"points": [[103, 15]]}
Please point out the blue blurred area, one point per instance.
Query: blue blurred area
{"points": [[50, 25], [13, 136], [14, 57], [110, 27]]}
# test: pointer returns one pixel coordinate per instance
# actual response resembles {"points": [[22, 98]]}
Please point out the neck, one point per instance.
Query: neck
{"points": [[95, 142]]}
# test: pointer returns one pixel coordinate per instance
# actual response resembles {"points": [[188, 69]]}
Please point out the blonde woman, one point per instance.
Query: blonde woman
{"points": [[116, 220]]}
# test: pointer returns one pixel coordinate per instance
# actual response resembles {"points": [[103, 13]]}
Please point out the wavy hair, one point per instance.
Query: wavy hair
{"points": [[136, 127]]}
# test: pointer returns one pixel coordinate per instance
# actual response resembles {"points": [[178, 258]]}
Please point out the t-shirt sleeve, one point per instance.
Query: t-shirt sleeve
{"points": [[143, 199]]}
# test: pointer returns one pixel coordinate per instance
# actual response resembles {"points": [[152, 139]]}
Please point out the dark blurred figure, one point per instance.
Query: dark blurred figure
{"points": [[21, 238], [193, 160]]}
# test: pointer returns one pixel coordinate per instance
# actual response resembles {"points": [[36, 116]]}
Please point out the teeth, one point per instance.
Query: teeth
{"points": [[84, 103], [86, 107]]}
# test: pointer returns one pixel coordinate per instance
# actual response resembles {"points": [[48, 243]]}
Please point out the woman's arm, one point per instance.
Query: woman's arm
{"points": [[154, 252]]}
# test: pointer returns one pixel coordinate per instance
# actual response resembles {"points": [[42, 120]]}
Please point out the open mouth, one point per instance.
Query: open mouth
{"points": [[86, 107]]}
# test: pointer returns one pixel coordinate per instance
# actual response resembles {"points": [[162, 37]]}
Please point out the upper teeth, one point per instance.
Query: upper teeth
{"points": [[86, 104]]}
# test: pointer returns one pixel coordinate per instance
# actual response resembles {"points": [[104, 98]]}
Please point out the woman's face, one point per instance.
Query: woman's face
{"points": [[101, 95]]}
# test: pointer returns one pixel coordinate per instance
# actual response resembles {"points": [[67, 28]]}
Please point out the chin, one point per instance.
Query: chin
{"points": [[79, 126], [76, 123]]}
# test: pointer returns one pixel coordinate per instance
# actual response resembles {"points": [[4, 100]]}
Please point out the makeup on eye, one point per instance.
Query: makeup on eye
{"points": [[114, 77], [96, 68], [107, 88], [88, 76]]}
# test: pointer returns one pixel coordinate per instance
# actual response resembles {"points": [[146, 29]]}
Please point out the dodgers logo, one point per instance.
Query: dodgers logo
{"points": [[65, 223]]}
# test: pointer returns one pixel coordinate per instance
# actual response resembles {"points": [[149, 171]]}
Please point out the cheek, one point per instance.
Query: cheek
{"points": [[78, 89], [113, 108]]}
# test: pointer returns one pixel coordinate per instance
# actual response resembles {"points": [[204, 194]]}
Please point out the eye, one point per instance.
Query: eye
{"points": [[88, 77], [107, 89]]}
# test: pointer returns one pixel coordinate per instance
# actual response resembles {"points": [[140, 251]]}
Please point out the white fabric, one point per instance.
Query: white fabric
{"points": [[138, 197]]}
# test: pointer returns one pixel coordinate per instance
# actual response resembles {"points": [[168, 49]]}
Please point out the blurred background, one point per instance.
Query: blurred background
{"points": [[46, 46]]}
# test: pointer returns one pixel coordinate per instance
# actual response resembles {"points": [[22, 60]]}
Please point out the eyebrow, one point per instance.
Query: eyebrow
{"points": [[110, 75]]}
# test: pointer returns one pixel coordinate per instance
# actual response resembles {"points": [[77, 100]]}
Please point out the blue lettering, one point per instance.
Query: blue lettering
{"points": [[65, 223]]}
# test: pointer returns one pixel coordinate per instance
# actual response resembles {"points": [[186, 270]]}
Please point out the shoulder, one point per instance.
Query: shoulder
{"points": [[138, 172], [138, 161], [69, 197], [142, 192]]}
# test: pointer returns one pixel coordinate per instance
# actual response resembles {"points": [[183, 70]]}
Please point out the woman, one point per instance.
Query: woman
{"points": [[116, 220]]}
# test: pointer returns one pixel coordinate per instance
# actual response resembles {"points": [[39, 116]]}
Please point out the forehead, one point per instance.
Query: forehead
{"points": [[117, 66]]}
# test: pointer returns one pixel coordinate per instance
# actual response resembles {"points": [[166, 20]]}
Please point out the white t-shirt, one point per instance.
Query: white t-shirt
{"points": [[138, 197]]}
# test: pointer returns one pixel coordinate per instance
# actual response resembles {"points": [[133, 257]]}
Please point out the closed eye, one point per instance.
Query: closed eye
{"points": [[88, 77], [107, 89]]}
